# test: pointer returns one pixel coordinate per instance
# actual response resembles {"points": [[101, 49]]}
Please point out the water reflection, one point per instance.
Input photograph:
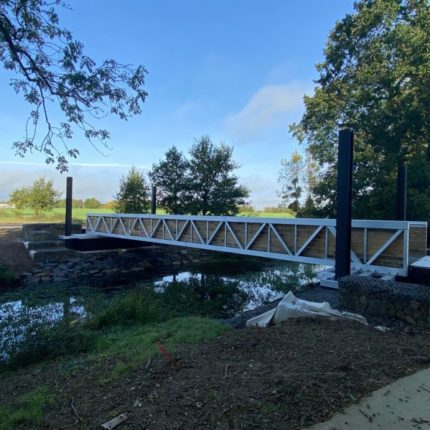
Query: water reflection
{"points": [[232, 292]]}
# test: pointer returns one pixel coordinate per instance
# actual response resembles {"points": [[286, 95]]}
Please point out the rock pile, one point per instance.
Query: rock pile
{"points": [[388, 302], [111, 267]]}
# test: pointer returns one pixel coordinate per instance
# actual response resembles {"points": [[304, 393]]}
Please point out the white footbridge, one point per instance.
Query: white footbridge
{"points": [[388, 247]]}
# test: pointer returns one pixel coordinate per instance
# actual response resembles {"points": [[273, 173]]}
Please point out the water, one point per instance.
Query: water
{"points": [[238, 288]]}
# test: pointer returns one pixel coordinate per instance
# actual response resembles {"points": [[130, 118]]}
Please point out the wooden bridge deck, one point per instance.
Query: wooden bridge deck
{"points": [[385, 246]]}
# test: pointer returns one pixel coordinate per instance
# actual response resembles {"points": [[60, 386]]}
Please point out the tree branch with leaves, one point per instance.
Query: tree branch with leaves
{"points": [[53, 72]]}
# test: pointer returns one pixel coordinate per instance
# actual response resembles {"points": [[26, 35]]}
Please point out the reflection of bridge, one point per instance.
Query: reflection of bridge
{"points": [[384, 246]]}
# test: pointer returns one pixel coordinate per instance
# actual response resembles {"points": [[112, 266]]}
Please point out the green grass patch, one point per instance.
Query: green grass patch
{"points": [[134, 311], [135, 307], [7, 278], [8, 215], [133, 346], [45, 342], [30, 410]]}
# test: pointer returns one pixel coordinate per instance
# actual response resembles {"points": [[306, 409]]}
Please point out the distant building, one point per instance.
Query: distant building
{"points": [[6, 206]]}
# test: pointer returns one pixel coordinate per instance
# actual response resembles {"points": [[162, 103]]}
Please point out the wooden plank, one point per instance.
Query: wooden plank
{"points": [[260, 243], [417, 243]]}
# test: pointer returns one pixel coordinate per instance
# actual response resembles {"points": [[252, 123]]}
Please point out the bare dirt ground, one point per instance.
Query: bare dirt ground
{"points": [[285, 377], [13, 254]]}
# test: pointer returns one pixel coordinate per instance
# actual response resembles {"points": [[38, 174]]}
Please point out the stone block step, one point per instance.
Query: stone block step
{"points": [[55, 229], [48, 254], [40, 235], [45, 244]]}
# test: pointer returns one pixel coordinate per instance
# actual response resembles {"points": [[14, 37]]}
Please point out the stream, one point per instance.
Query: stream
{"points": [[236, 290]]}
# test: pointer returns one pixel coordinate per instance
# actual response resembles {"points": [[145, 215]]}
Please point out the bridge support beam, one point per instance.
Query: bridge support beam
{"points": [[69, 197], [153, 199], [344, 204]]}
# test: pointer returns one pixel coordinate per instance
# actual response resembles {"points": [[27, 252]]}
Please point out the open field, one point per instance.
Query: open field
{"points": [[57, 215]]}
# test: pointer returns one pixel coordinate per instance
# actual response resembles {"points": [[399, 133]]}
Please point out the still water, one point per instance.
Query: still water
{"points": [[250, 287]]}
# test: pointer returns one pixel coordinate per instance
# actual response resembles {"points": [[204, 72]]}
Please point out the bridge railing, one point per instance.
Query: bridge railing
{"points": [[385, 246]]}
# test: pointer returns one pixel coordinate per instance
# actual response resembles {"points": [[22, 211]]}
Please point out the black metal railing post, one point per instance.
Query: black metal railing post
{"points": [[344, 203], [153, 199], [69, 197]]}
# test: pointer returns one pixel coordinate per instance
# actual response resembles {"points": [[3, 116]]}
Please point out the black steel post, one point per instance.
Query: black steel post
{"points": [[69, 197], [402, 180], [344, 203], [153, 199]]}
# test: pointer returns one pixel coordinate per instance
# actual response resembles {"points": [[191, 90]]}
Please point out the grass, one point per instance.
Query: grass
{"points": [[133, 346], [29, 412], [6, 276], [124, 310], [44, 342], [129, 314], [57, 215]]}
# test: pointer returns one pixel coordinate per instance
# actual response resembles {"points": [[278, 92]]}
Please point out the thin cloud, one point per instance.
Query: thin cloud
{"points": [[71, 166], [268, 107]]}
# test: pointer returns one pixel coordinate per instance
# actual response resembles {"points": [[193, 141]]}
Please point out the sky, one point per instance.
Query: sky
{"points": [[236, 70]]}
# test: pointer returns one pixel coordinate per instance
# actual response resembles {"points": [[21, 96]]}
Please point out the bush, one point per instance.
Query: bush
{"points": [[131, 308], [46, 342], [6, 276]]}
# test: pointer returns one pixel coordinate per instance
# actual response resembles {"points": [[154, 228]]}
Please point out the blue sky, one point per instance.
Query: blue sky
{"points": [[232, 69]]}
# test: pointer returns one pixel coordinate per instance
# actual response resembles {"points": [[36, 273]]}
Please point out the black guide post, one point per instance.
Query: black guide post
{"points": [[153, 199], [402, 180], [344, 203], [69, 197]]}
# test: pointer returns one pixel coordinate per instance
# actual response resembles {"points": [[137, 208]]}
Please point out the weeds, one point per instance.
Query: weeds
{"points": [[132, 308], [44, 342], [6, 276], [29, 412]]}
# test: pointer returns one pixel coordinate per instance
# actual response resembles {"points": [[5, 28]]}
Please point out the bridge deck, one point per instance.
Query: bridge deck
{"points": [[385, 246]]}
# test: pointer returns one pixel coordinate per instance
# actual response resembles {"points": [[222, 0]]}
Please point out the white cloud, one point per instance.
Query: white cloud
{"points": [[263, 190], [89, 180], [268, 107]]}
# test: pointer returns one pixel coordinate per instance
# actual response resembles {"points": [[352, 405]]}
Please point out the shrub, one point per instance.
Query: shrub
{"points": [[131, 308], [6, 276], [46, 342]]}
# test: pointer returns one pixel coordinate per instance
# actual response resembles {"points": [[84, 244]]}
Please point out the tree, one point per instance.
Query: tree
{"points": [[172, 178], [375, 78], [215, 189], [53, 74], [40, 197], [20, 198], [133, 194], [291, 179], [92, 203]]}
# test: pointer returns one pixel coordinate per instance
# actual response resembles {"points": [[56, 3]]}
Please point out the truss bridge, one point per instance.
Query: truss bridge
{"points": [[385, 246]]}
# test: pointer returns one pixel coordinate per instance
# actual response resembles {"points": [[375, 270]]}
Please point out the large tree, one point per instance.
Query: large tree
{"points": [[291, 179], [40, 197], [375, 78], [215, 188], [52, 73], [133, 194], [172, 178]]}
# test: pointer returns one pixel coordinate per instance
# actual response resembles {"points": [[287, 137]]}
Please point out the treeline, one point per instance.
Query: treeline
{"points": [[90, 203], [42, 197], [374, 79], [203, 183]]}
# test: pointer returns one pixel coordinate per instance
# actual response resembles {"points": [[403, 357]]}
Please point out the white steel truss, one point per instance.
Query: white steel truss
{"points": [[376, 245]]}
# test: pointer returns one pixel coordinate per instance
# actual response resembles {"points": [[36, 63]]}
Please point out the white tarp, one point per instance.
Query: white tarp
{"points": [[292, 307]]}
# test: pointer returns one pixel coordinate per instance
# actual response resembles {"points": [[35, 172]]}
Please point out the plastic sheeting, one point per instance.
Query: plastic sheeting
{"points": [[292, 307]]}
